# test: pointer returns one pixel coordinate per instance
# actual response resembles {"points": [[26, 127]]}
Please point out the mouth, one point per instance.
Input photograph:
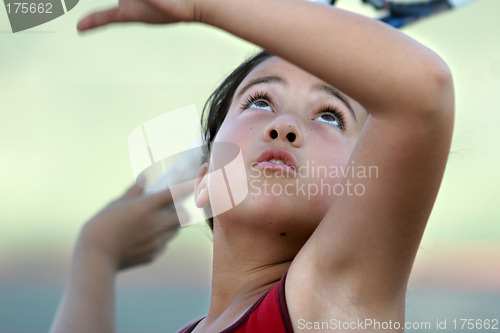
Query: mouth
{"points": [[276, 159]]}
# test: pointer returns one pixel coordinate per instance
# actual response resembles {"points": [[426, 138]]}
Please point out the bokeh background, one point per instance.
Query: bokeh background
{"points": [[68, 103]]}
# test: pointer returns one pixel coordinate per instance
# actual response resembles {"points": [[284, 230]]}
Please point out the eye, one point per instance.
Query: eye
{"points": [[260, 104], [332, 116], [258, 101]]}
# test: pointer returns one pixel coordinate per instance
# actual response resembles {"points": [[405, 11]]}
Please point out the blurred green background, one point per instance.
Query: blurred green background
{"points": [[68, 103]]}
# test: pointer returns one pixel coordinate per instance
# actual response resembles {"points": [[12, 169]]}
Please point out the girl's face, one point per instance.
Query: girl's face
{"points": [[296, 134]]}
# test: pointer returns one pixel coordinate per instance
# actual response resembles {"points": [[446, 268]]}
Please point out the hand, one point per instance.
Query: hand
{"points": [[132, 230], [146, 11]]}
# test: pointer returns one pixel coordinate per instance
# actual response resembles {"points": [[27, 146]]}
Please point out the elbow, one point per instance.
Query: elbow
{"points": [[434, 99], [438, 85]]}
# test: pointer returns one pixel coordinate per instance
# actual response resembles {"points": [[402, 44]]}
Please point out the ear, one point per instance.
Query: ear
{"points": [[201, 197]]}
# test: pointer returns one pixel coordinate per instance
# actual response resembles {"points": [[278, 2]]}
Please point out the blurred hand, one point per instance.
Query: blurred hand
{"points": [[146, 11], [132, 230]]}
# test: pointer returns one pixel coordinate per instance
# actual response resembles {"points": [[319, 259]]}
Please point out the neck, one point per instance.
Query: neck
{"points": [[247, 263]]}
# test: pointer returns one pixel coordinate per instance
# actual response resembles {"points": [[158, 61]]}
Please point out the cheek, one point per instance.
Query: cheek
{"points": [[326, 169], [227, 178], [333, 154], [233, 130], [242, 128], [237, 133]]}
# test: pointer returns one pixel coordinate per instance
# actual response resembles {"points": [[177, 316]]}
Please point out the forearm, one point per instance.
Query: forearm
{"points": [[88, 302], [377, 65]]}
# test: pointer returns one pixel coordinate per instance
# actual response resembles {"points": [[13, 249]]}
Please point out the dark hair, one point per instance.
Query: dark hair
{"points": [[217, 105]]}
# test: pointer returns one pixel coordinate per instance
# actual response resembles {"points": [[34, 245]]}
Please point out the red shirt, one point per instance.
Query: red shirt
{"points": [[268, 315]]}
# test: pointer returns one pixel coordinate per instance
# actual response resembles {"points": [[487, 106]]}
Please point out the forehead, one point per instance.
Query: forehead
{"points": [[279, 67]]}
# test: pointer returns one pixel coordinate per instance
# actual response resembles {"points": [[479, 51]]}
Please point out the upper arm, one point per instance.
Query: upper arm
{"points": [[365, 245]]}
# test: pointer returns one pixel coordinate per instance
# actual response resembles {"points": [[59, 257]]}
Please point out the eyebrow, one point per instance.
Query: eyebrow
{"points": [[318, 87], [335, 93], [264, 79]]}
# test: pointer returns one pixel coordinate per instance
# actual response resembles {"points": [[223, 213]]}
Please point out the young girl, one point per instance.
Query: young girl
{"points": [[335, 90]]}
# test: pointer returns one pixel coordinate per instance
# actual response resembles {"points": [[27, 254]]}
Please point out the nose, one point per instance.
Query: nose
{"points": [[284, 128]]}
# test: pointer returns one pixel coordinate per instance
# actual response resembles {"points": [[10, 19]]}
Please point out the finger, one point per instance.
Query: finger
{"points": [[182, 215], [162, 249], [136, 189], [165, 220], [165, 198], [156, 246], [101, 18], [168, 234], [172, 217], [158, 200], [184, 189]]}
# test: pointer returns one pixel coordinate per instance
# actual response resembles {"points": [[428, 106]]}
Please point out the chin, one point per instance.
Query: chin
{"points": [[276, 214]]}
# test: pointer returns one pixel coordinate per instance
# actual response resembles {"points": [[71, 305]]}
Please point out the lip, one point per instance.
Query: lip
{"points": [[277, 154]]}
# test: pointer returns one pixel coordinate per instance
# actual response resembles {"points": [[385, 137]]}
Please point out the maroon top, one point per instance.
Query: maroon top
{"points": [[268, 314]]}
